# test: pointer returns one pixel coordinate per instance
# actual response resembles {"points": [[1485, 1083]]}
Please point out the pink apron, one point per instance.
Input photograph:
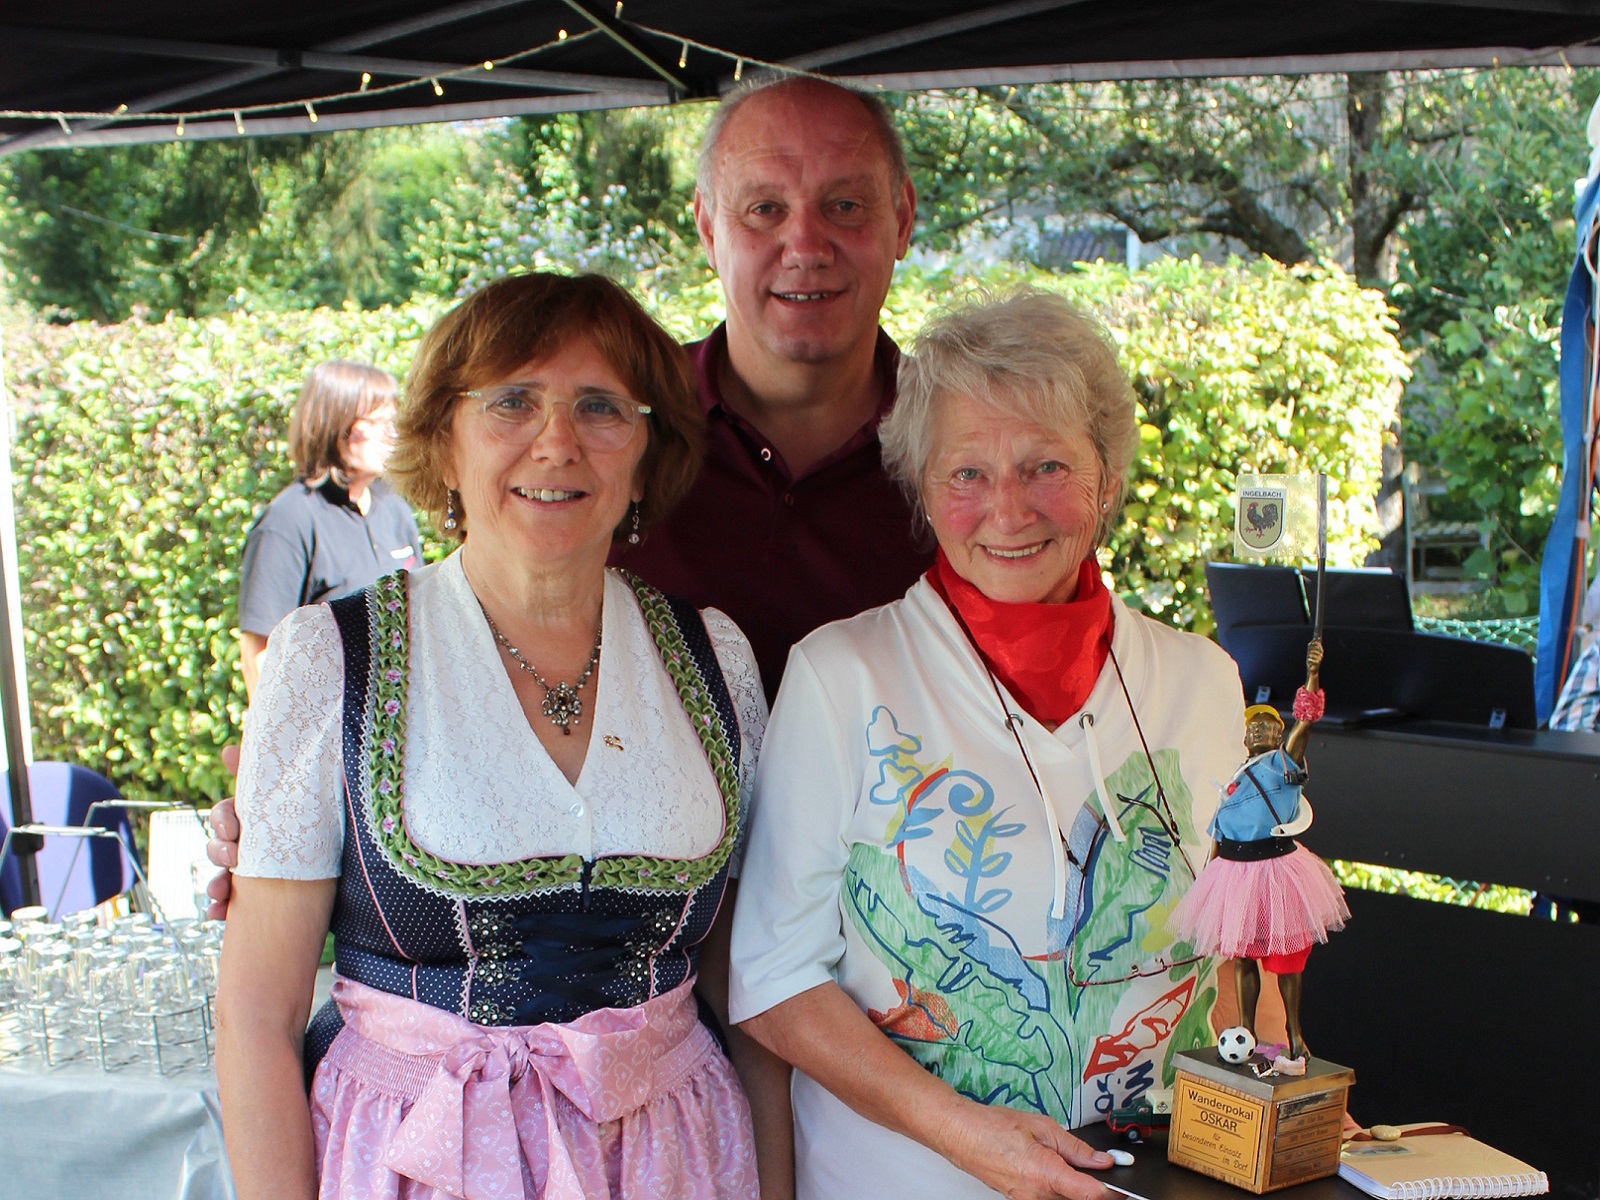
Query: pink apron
{"points": [[412, 1103]]}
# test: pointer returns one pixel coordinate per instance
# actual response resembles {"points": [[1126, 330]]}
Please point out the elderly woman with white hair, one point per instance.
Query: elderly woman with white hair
{"points": [[976, 805]]}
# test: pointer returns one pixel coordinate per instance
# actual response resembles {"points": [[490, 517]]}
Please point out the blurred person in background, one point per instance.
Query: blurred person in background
{"points": [[337, 527]]}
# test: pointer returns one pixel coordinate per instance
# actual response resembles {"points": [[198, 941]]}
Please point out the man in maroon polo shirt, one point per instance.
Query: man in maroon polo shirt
{"points": [[804, 204]]}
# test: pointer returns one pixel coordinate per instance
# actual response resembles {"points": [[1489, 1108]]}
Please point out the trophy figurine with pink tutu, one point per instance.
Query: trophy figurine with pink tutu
{"points": [[1263, 899]]}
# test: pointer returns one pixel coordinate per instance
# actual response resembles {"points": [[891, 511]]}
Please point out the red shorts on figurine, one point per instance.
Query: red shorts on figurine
{"points": [[1286, 964]]}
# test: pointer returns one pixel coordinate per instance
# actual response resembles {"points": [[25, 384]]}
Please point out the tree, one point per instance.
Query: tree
{"points": [[1449, 190], [1480, 282], [1296, 168], [197, 228], [607, 192]]}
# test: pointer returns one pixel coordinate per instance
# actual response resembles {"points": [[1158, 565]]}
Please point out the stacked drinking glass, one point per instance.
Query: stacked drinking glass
{"points": [[125, 993]]}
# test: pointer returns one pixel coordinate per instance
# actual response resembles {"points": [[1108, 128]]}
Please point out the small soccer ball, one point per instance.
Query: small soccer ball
{"points": [[1235, 1043]]}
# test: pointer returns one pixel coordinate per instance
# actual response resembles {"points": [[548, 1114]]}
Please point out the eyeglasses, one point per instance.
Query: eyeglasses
{"points": [[1134, 875], [516, 413], [380, 422]]}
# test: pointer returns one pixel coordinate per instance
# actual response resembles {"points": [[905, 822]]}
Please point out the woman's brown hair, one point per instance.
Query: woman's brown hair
{"points": [[333, 397]]}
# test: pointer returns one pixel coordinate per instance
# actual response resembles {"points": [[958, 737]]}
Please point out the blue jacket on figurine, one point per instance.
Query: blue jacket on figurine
{"points": [[1245, 814]]}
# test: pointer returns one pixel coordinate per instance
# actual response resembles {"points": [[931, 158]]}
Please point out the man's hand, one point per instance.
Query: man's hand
{"points": [[223, 851]]}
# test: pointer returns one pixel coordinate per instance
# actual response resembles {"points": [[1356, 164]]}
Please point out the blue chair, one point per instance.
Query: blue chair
{"points": [[10, 882], [61, 794]]}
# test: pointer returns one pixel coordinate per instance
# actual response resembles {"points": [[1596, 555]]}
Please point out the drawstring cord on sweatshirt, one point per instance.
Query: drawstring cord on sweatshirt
{"points": [[1061, 854]]}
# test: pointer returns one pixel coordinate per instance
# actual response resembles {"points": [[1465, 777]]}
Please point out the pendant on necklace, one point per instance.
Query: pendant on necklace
{"points": [[562, 706], [561, 703]]}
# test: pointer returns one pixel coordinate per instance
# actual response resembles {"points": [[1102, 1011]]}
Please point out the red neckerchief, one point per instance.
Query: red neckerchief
{"points": [[1047, 655]]}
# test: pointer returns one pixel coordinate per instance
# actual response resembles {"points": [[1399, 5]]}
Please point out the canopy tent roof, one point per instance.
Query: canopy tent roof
{"points": [[86, 72]]}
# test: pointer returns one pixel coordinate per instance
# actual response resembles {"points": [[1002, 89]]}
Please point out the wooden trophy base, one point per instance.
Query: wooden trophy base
{"points": [[1257, 1134]]}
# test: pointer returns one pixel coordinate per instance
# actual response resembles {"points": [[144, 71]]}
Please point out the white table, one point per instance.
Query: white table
{"points": [[75, 1132], [78, 1133]]}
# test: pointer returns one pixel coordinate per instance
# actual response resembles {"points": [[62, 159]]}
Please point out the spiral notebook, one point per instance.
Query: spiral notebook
{"points": [[1437, 1165]]}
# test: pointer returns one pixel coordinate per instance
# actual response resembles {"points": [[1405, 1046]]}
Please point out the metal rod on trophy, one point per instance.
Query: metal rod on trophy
{"points": [[1322, 551]]}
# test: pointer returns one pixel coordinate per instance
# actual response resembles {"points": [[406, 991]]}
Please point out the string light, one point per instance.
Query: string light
{"points": [[182, 118], [366, 81], [618, 14]]}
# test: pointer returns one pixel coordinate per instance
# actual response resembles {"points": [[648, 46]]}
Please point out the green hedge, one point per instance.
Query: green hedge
{"points": [[141, 454], [143, 451], [1245, 366]]}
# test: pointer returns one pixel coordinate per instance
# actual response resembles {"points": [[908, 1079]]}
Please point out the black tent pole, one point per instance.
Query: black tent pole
{"points": [[22, 846]]}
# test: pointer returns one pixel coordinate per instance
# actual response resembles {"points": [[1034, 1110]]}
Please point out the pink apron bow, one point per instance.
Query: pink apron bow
{"points": [[460, 1137]]}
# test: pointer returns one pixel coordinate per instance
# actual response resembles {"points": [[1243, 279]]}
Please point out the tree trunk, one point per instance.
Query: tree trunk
{"points": [[1374, 213]]}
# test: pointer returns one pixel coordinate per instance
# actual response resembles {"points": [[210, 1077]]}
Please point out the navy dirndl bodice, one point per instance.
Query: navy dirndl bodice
{"points": [[544, 939]]}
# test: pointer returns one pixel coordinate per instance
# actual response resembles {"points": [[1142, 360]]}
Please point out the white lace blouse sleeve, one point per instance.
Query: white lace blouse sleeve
{"points": [[290, 797], [739, 671]]}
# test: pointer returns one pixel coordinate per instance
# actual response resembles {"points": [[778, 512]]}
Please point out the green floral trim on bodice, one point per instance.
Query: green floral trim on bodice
{"points": [[389, 611]]}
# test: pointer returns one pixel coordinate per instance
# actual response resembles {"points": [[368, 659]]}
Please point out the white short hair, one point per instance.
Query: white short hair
{"points": [[1029, 354]]}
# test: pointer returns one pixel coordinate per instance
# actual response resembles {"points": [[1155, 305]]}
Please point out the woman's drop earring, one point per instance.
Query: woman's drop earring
{"points": [[633, 530], [450, 522]]}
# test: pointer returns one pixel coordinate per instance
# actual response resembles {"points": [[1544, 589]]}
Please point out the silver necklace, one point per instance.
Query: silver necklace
{"points": [[561, 703]]}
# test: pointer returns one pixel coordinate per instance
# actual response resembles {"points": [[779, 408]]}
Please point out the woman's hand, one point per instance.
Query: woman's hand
{"points": [[1025, 1156]]}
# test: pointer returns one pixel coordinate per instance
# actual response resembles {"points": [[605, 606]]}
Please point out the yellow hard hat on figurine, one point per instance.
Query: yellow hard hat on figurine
{"points": [[1259, 711]]}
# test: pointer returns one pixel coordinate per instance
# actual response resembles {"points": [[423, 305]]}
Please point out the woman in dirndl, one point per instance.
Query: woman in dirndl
{"points": [[517, 782]]}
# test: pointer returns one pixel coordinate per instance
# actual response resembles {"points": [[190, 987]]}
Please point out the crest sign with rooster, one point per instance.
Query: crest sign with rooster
{"points": [[1261, 517]]}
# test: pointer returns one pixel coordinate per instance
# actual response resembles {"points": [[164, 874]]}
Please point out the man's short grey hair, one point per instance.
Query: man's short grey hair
{"points": [[1030, 354], [877, 113]]}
